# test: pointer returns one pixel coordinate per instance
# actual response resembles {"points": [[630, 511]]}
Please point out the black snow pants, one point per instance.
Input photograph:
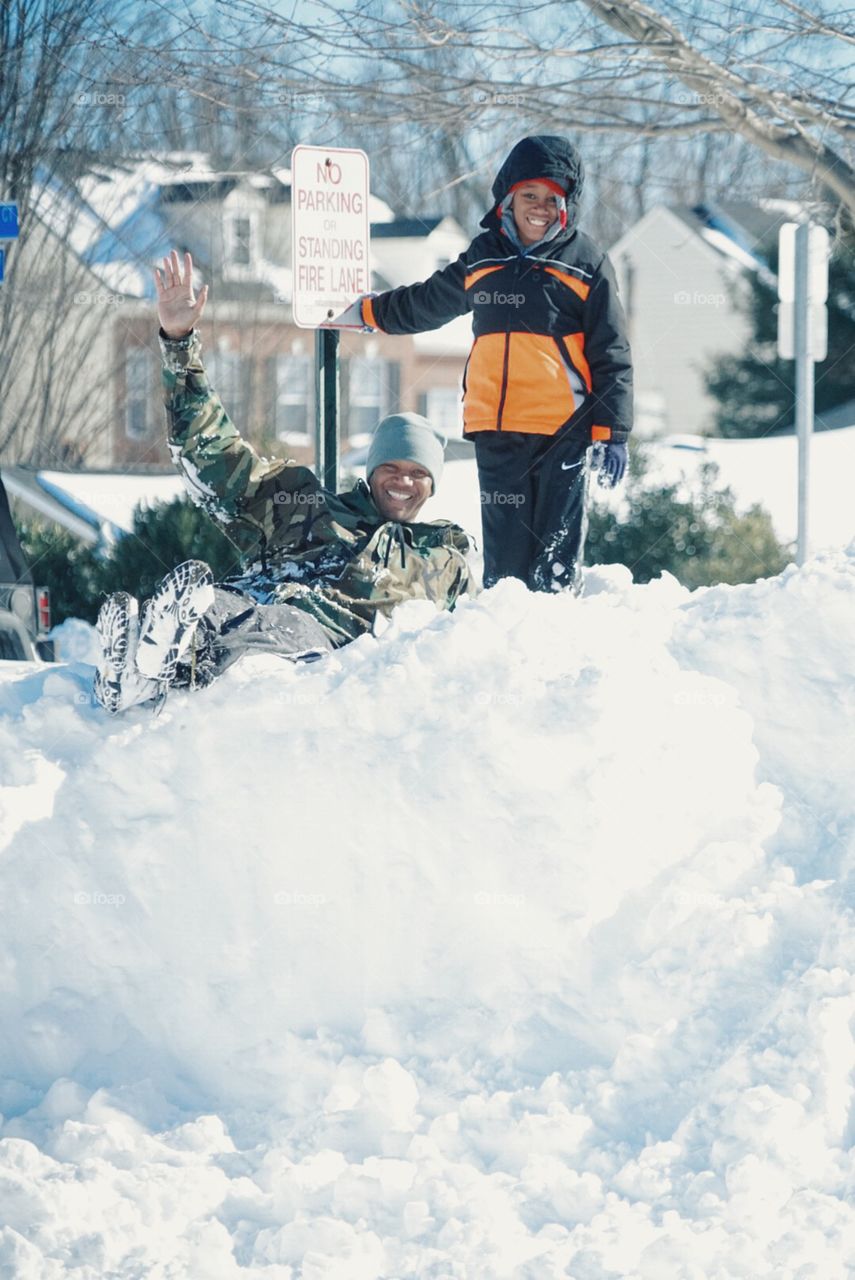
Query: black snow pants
{"points": [[533, 507], [236, 624]]}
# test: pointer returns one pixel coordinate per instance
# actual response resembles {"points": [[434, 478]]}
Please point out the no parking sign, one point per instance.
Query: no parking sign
{"points": [[329, 203]]}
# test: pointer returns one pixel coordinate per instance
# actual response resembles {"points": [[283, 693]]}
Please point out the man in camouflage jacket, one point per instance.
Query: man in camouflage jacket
{"points": [[319, 568]]}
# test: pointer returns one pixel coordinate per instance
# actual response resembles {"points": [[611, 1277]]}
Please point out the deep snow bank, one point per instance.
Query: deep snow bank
{"points": [[513, 943]]}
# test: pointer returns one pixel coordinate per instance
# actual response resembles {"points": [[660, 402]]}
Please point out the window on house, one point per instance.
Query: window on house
{"points": [[372, 386], [293, 398], [240, 240], [138, 393], [443, 408], [228, 374]]}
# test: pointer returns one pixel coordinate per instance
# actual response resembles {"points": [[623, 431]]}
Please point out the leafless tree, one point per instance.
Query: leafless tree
{"points": [[776, 73], [62, 111], [770, 74], [86, 87], [680, 101]]}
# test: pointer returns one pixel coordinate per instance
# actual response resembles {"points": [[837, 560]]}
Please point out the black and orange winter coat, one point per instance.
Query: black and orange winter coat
{"points": [[550, 348]]}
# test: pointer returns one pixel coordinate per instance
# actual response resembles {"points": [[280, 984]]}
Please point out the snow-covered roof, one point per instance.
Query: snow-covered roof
{"points": [[742, 234], [119, 223], [96, 506], [405, 228]]}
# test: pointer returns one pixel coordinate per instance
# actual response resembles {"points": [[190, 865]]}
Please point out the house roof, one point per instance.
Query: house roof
{"points": [[96, 506], [122, 219], [718, 227], [744, 233], [399, 228]]}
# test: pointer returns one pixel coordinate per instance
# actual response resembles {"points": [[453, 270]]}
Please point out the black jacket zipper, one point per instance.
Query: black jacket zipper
{"points": [[504, 393], [503, 396]]}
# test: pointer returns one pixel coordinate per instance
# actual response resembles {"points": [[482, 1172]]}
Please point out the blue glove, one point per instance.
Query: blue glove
{"points": [[610, 460]]}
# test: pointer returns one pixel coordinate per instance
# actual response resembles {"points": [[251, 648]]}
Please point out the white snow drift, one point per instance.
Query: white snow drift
{"points": [[514, 943]]}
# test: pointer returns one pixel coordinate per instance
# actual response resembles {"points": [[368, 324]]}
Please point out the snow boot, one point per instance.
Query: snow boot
{"points": [[169, 620], [118, 684]]}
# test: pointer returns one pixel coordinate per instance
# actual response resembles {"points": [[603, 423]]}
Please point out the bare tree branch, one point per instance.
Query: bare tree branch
{"points": [[735, 99]]}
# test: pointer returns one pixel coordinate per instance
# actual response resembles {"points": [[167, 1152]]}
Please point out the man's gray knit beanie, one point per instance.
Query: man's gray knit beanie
{"points": [[407, 437]]}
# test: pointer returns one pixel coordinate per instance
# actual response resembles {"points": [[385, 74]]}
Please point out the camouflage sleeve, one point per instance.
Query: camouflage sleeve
{"points": [[221, 471]]}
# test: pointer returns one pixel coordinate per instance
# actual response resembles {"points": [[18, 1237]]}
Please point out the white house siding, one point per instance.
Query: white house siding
{"points": [[406, 259], [682, 300], [57, 387]]}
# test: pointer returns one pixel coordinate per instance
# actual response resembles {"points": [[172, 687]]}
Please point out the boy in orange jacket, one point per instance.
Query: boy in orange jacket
{"points": [[549, 373]]}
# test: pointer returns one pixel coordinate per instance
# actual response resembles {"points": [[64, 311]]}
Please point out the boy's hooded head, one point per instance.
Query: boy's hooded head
{"points": [[543, 158]]}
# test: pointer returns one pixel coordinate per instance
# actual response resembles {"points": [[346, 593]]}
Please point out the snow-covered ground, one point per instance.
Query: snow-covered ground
{"points": [[757, 471], [515, 943], [766, 472]]}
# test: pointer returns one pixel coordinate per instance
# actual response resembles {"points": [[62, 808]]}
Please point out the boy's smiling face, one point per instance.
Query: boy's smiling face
{"points": [[535, 208]]}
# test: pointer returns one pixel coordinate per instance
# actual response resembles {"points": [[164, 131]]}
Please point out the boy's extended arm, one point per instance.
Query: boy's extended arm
{"points": [[609, 358], [413, 308], [222, 472]]}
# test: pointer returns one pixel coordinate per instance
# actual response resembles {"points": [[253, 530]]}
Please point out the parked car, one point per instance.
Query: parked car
{"points": [[15, 642], [24, 607]]}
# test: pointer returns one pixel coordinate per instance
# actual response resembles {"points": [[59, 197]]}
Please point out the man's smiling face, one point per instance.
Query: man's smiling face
{"points": [[400, 489]]}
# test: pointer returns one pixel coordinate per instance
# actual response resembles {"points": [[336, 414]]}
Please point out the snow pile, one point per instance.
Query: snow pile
{"points": [[513, 943], [75, 641]]}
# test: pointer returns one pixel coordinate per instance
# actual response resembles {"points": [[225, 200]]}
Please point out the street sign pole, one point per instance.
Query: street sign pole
{"points": [[803, 337], [326, 407], [804, 382]]}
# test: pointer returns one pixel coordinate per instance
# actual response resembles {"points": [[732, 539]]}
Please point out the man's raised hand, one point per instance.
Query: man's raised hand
{"points": [[177, 308]]}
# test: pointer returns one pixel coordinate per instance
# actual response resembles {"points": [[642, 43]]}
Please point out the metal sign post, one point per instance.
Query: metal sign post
{"points": [[326, 407], [803, 337], [330, 268], [804, 386]]}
